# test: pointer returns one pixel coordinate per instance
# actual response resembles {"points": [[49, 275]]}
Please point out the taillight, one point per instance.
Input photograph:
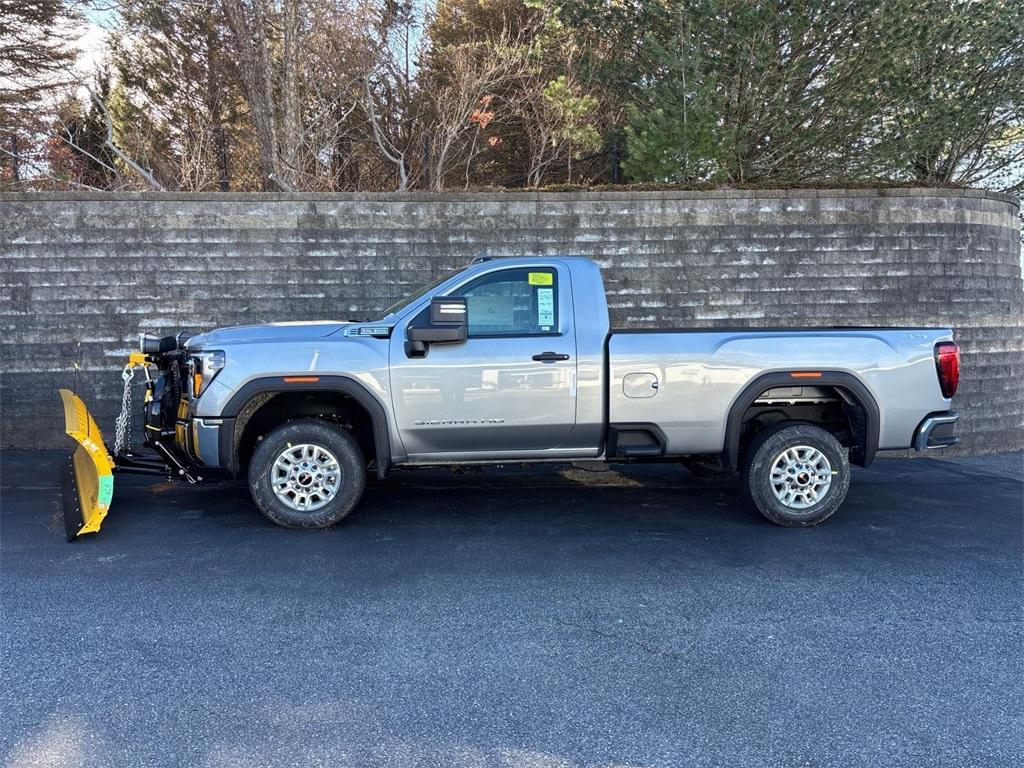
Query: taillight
{"points": [[947, 363]]}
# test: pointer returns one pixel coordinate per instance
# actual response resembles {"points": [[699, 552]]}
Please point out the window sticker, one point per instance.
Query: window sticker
{"points": [[541, 278], [545, 307]]}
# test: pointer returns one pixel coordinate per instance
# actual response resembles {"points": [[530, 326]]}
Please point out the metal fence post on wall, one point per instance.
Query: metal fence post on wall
{"points": [[613, 158]]}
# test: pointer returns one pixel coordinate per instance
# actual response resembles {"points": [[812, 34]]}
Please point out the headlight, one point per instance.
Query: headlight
{"points": [[205, 365]]}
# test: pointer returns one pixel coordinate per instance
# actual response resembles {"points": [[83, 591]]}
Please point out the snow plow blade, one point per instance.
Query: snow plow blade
{"points": [[89, 485]]}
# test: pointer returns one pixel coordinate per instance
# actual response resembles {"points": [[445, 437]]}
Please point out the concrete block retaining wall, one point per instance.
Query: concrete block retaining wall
{"points": [[83, 274]]}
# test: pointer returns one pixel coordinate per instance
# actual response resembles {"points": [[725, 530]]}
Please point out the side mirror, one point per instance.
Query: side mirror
{"points": [[445, 322], [448, 311]]}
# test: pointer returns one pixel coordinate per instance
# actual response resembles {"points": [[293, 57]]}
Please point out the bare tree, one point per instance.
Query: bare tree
{"points": [[463, 84], [392, 98], [302, 66], [248, 22], [338, 52], [110, 144], [393, 151], [176, 105], [556, 104]]}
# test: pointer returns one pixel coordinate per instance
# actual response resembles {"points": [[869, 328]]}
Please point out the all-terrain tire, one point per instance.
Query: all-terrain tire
{"points": [[309, 460], [784, 474]]}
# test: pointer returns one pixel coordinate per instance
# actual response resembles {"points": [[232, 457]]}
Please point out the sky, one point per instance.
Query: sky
{"points": [[91, 46]]}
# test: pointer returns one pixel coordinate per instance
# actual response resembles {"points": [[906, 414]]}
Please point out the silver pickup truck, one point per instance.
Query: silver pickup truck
{"points": [[514, 360]]}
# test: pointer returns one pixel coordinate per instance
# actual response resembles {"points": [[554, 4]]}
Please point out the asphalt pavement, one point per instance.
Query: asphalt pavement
{"points": [[542, 617]]}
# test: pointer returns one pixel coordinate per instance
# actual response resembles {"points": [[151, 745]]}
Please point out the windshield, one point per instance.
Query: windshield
{"points": [[403, 303]]}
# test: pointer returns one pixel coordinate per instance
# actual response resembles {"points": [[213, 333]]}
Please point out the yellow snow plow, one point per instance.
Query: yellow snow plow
{"points": [[88, 488], [92, 478]]}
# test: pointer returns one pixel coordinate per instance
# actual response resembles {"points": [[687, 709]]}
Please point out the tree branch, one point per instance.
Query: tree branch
{"points": [[109, 142]]}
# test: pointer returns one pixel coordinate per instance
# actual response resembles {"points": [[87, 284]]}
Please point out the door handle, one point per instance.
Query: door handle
{"points": [[549, 357]]}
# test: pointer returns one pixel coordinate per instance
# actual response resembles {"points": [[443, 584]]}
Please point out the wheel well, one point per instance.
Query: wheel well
{"points": [[839, 404], [826, 407], [268, 410]]}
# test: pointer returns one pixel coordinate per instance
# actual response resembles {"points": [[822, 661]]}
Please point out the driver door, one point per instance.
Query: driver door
{"points": [[511, 386]]}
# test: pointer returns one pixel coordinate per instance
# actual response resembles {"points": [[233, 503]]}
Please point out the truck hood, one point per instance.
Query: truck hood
{"points": [[266, 332]]}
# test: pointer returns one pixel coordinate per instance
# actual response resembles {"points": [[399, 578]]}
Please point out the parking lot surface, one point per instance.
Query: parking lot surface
{"points": [[542, 617]]}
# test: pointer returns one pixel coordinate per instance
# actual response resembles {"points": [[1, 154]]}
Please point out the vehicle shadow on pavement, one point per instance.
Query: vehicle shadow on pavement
{"points": [[628, 499]]}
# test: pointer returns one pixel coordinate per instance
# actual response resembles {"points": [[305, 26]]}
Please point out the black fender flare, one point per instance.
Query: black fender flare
{"points": [[274, 385], [861, 455]]}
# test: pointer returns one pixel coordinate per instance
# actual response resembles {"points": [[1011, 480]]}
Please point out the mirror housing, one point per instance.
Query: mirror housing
{"points": [[444, 322]]}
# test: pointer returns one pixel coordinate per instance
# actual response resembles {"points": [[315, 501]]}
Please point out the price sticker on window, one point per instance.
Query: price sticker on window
{"points": [[545, 307], [542, 278]]}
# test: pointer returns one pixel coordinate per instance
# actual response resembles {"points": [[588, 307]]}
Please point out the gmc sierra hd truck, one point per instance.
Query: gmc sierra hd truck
{"points": [[513, 361]]}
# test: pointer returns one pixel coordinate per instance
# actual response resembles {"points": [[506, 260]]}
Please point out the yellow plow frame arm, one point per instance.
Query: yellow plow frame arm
{"points": [[87, 503]]}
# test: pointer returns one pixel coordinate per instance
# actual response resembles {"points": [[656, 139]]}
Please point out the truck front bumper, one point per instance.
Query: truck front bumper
{"points": [[205, 443], [936, 431]]}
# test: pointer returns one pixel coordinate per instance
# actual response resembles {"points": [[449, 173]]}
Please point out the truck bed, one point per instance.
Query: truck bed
{"points": [[685, 381]]}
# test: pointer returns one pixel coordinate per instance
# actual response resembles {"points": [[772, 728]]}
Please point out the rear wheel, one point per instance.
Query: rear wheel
{"points": [[797, 475], [307, 474]]}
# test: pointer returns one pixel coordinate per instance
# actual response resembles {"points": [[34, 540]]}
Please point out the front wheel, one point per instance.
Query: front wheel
{"points": [[797, 475], [307, 474]]}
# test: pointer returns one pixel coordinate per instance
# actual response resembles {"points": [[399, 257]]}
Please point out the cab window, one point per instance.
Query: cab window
{"points": [[513, 302]]}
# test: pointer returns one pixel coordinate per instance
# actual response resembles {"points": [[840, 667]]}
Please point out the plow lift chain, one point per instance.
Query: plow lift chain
{"points": [[123, 425], [124, 460]]}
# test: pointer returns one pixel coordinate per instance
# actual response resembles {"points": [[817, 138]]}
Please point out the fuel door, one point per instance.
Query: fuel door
{"points": [[639, 385]]}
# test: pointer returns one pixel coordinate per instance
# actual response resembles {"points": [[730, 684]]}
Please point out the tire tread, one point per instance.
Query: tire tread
{"points": [[757, 464], [332, 436]]}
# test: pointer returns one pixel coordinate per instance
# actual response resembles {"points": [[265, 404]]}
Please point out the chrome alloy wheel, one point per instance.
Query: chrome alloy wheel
{"points": [[305, 477], [801, 477]]}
